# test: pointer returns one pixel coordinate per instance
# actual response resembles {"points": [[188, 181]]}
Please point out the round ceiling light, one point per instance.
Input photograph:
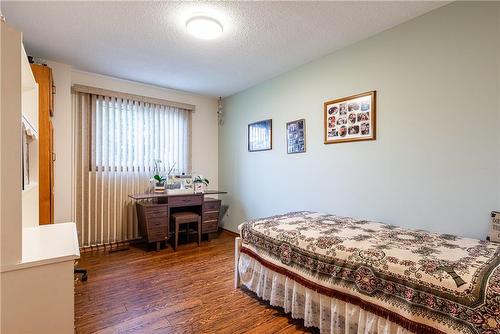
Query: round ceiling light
{"points": [[204, 27]]}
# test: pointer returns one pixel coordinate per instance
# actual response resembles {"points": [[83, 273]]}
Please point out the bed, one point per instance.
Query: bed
{"points": [[344, 275]]}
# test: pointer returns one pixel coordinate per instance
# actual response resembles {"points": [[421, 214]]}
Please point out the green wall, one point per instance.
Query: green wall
{"points": [[435, 164]]}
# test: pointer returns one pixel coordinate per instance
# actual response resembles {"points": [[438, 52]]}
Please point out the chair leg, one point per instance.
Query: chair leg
{"points": [[199, 231], [81, 271], [176, 236]]}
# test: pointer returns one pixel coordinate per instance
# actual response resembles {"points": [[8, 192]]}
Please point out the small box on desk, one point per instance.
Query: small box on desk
{"points": [[179, 191]]}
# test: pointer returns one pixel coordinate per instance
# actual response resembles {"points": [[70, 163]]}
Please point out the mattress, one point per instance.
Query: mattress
{"points": [[424, 282]]}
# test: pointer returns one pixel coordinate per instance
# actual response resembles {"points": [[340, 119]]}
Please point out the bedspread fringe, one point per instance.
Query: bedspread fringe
{"points": [[327, 309]]}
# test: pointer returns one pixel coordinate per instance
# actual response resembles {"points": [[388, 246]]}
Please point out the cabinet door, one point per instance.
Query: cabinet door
{"points": [[43, 76]]}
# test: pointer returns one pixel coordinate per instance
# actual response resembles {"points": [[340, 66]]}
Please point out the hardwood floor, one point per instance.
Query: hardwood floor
{"points": [[189, 291]]}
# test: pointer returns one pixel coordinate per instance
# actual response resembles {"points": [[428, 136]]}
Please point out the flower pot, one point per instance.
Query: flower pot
{"points": [[199, 188], [160, 187]]}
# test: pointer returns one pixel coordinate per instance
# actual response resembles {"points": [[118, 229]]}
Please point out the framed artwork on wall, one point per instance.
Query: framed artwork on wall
{"points": [[351, 118], [296, 136], [260, 136]]}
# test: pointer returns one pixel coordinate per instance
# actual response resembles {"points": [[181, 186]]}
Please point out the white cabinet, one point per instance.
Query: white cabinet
{"points": [[39, 291], [36, 262]]}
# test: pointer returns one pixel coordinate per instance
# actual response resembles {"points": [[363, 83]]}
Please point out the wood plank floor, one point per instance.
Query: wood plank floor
{"points": [[189, 291]]}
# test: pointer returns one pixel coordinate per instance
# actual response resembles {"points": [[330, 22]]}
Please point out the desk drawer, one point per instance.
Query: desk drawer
{"points": [[157, 222], [214, 215], [211, 206], [153, 212], [209, 226], [185, 200], [157, 234]]}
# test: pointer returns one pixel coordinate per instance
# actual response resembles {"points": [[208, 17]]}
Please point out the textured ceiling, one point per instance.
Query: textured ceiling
{"points": [[147, 41]]}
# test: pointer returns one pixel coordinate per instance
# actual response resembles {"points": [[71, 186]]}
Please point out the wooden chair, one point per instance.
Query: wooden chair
{"points": [[179, 218]]}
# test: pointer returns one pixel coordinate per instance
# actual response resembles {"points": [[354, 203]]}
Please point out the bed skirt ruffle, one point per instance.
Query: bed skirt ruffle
{"points": [[328, 314]]}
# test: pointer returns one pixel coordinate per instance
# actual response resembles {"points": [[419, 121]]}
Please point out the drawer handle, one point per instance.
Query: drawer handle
{"points": [[186, 200]]}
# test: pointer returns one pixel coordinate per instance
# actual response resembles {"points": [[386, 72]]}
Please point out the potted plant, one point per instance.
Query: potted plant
{"points": [[200, 183], [158, 178], [159, 183]]}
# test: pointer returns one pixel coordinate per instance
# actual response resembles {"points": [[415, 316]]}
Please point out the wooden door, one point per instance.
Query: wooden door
{"points": [[43, 76]]}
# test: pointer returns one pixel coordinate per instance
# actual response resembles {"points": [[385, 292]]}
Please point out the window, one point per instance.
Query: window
{"points": [[116, 139], [128, 135]]}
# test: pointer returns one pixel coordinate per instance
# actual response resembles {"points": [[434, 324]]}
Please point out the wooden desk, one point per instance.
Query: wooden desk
{"points": [[154, 217], [161, 196]]}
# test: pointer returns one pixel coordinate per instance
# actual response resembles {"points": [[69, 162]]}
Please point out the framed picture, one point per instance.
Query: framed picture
{"points": [[351, 118], [260, 136], [296, 136]]}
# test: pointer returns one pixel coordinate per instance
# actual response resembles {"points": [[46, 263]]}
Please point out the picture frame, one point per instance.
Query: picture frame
{"points": [[351, 118], [260, 136], [296, 136]]}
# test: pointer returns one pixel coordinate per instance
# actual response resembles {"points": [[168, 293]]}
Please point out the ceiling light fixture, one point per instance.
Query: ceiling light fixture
{"points": [[204, 27]]}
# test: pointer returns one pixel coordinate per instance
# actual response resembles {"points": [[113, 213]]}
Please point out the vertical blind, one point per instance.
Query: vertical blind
{"points": [[116, 143], [130, 135]]}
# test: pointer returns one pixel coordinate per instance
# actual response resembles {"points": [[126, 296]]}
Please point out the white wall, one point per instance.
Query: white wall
{"points": [[204, 131], [10, 148], [435, 164], [498, 79]]}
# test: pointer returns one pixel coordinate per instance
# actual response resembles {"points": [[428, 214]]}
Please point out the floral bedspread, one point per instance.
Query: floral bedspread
{"points": [[425, 282]]}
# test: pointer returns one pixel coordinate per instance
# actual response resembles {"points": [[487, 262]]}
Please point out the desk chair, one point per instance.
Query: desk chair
{"points": [[83, 272], [179, 218]]}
